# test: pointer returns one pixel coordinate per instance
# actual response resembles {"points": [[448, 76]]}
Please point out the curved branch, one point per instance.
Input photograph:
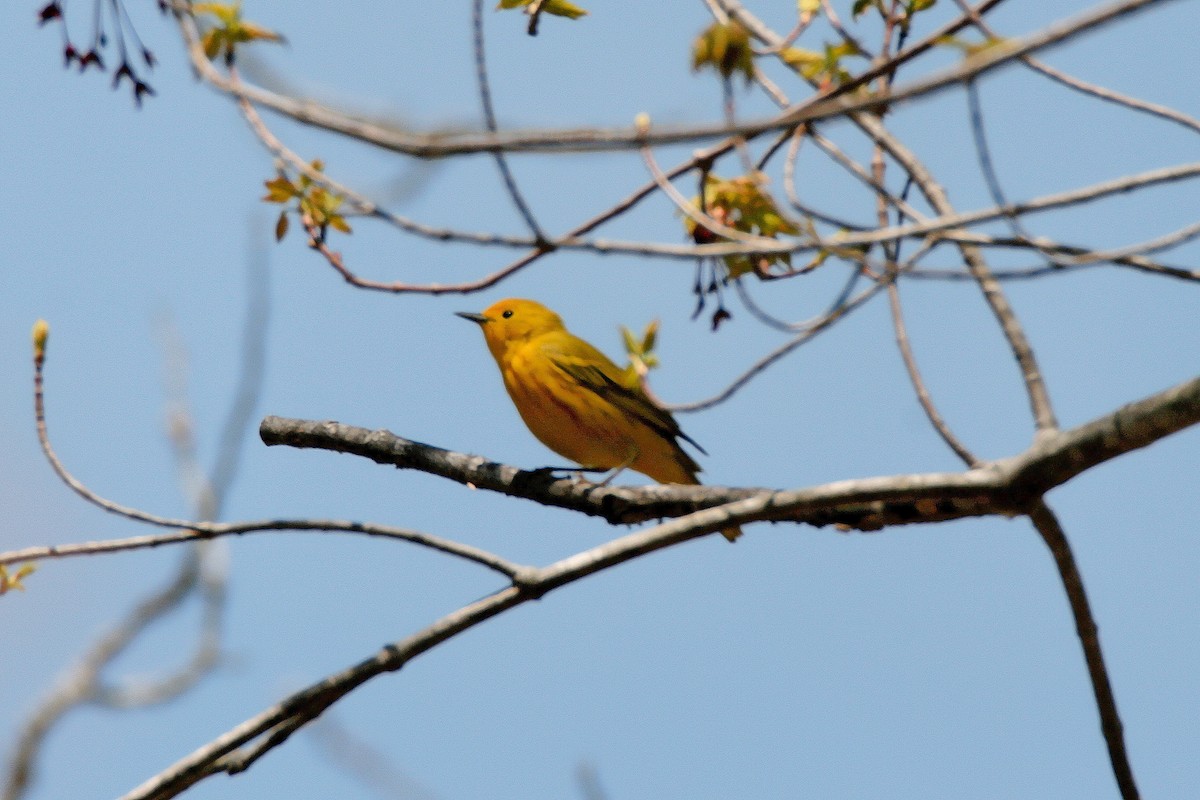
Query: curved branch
{"points": [[914, 374], [489, 114], [194, 530], [836, 104], [1136, 262], [1084, 87], [809, 331], [1055, 537], [204, 531], [1011, 486]]}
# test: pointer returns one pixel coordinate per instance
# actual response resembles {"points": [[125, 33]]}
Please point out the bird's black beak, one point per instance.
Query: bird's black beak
{"points": [[479, 318]]}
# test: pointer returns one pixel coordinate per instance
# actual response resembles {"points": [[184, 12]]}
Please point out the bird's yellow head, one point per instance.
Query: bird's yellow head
{"points": [[513, 321]]}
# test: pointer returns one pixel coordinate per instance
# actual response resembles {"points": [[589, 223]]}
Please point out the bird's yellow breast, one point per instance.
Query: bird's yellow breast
{"points": [[569, 419]]}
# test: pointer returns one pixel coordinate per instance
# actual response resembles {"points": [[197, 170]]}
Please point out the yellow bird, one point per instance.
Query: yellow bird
{"points": [[573, 399]]}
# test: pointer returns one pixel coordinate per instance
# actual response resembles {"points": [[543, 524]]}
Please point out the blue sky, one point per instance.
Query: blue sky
{"points": [[920, 662]]}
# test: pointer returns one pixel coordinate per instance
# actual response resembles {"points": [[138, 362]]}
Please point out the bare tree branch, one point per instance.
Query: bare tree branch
{"points": [[914, 374], [438, 145], [996, 487], [201, 570], [1084, 87], [489, 113], [1010, 486], [1048, 526]]}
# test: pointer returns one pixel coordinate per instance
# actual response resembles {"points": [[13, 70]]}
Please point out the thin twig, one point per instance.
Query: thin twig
{"points": [[489, 115], [1111, 96], [1022, 350], [1119, 255], [360, 202], [207, 531], [696, 215], [824, 323], [983, 154], [914, 375], [1039, 398], [1055, 537], [789, 187], [1084, 87], [948, 220], [839, 156], [191, 530]]}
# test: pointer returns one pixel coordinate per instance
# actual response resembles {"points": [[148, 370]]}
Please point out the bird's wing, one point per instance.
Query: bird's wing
{"points": [[594, 371]]}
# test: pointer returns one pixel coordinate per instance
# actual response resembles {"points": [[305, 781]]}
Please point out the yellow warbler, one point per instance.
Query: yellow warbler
{"points": [[574, 399]]}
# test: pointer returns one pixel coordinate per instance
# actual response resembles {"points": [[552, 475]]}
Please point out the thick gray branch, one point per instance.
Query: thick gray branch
{"points": [[1006, 486]]}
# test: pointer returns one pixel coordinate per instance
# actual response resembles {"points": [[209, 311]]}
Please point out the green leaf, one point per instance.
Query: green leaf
{"points": [[559, 8], [279, 190], [9, 582], [798, 57], [862, 5], [230, 29], [650, 337]]}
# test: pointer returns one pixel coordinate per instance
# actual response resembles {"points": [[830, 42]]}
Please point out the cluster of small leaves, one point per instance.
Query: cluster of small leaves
{"points": [[724, 47], [822, 68], [230, 30], [641, 354], [10, 581], [318, 207], [742, 204], [91, 56], [907, 9]]}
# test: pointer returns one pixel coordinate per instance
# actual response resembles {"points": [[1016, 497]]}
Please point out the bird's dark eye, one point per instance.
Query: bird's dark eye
{"points": [[507, 313]]}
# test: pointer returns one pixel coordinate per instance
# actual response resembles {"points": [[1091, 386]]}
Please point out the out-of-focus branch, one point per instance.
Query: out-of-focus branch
{"points": [[489, 114], [202, 570], [1084, 87], [360, 759], [1086, 258], [806, 333], [935, 195], [836, 104], [82, 683], [914, 374]]}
